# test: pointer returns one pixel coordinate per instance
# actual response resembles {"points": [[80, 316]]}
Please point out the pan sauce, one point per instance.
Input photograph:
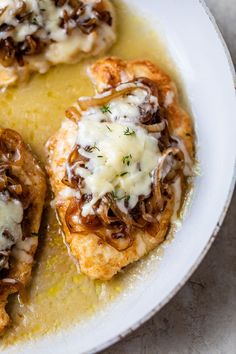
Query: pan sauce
{"points": [[58, 295]]}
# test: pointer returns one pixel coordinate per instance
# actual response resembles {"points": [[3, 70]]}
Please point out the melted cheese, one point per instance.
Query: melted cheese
{"points": [[121, 155], [11, 215], [24, 28], [52, 17], [128, 109], [45, 15], [22, 249], [45, 18], [125, 109], [44, 23]]}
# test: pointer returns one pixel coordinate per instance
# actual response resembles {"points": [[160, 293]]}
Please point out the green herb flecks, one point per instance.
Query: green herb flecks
{"points": [[127, 159], [109, 128], [105, 109], [123, 174], [129, 131], [34, 21], [91, 148], [125, 197]]}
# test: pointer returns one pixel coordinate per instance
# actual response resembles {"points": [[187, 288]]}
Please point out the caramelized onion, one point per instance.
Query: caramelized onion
{"points": [[14, 181], [75, 221], [7, 52], [171, 161], [109, 222], [75, 160], [86, 103], [73, 114], [154, 128]]}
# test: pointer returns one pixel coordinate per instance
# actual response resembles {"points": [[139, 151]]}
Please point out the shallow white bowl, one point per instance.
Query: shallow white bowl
{"points": [[206, 69]]}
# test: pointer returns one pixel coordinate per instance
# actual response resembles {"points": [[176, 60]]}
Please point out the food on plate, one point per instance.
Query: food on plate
{"points": [[22, 193], [119, 166], [37, 34]]}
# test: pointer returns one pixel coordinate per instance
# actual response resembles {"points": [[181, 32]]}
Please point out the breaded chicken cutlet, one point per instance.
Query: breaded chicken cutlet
{"points": [[38, 34], [22, 193], [119, 166]]}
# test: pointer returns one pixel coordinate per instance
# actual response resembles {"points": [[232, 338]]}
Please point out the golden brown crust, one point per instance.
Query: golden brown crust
{"points": [[98, 259], [22, 261]]}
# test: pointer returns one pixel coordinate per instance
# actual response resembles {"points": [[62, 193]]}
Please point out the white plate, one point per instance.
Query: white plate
{"points": [[199, 52]]}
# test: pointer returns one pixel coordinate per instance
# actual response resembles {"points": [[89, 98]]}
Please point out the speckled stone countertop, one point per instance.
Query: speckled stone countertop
{"points": [[202, 316]]}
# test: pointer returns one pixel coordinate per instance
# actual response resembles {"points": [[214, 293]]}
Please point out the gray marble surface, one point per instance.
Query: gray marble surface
{"points": [[202, 316]]}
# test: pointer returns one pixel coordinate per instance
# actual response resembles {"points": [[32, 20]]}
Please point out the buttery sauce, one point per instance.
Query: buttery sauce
{"points": [[58, 295]]}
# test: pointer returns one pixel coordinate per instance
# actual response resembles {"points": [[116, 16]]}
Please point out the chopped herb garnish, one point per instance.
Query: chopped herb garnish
{"points": [[105, 108], [115, 196], [91, 148], [127, 159], [99, 156], [34, 21], [187, 134], [123, 174], [129, 131], [108, 128]]}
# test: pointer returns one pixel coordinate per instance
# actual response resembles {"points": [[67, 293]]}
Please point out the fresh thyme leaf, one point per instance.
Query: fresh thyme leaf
{"points": [[108, 128], [91, 148], [123, 174], [127, 198], [129, 131], [115, 197], [105, 108], [127, 159], [34, 21], [99, 156]]}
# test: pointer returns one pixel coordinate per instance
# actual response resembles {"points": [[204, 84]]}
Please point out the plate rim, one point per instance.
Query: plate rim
{"points": [[157, 308], [154, 307]]}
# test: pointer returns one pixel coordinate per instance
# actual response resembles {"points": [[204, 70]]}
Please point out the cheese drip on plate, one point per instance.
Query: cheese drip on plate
{"points": [[121, 155]]}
